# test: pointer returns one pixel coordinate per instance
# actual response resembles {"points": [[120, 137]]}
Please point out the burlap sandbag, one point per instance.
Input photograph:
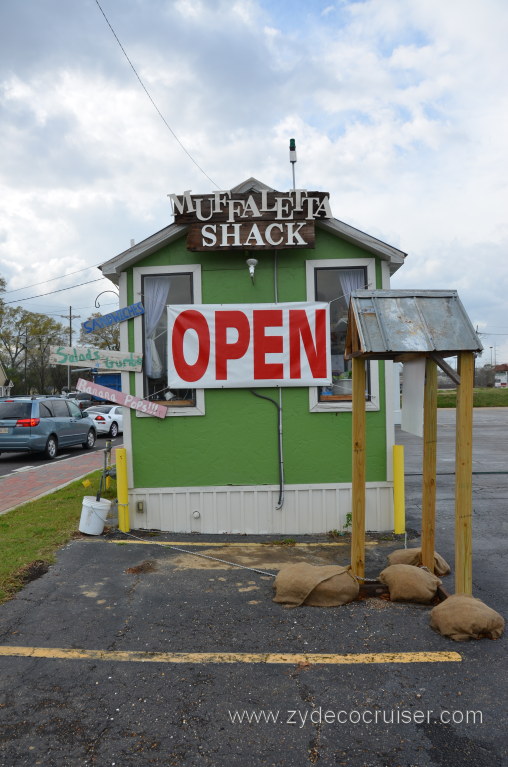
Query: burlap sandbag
{"points": [[463, 617], [327, 586], [407, 583], [414, 557]]}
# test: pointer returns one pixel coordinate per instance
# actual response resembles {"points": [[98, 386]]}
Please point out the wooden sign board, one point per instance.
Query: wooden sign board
{"points": [[265, 235], [121, 315], [102, 359], [119, 398], [251, 220]]}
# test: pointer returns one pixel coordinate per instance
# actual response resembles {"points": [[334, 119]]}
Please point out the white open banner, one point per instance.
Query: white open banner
{"points": [[214, 346]]}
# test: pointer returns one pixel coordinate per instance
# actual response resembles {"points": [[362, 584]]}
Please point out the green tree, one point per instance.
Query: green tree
{"points": [[25, 338], [103, 338], [43, 332]]}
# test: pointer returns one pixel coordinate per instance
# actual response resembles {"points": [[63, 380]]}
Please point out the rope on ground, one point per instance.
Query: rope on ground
{"points": [[205, 556]]}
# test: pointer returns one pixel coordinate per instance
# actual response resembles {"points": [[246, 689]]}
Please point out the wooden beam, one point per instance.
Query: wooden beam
{"points": [[445, 367], [358, 475], [429, 464], [463, 477]]}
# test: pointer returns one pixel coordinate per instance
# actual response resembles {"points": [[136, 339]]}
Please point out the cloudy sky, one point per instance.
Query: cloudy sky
{"points": [[399, 109]]}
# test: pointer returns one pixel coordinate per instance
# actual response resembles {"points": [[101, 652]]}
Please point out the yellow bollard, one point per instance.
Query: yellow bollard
{"points": [[122, 485], [399, 503]]}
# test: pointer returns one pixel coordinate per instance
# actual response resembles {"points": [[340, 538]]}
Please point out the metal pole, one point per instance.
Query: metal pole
{"points": [[399, 504], [122, 485]]}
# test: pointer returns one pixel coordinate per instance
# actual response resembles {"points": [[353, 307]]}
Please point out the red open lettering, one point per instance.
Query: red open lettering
{"points": [[299, 328], [191, 320], [264, 344], [225, 351]]}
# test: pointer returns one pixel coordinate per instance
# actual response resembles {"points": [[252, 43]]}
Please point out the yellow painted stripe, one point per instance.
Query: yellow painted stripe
{"points": [[227, 657], [228, 545]]}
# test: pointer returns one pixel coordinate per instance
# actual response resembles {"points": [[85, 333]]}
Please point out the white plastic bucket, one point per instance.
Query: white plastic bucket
{"points": [[93, 515]]}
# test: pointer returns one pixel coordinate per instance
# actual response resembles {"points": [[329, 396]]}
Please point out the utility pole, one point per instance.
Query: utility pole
{"points": [[70, 317]]}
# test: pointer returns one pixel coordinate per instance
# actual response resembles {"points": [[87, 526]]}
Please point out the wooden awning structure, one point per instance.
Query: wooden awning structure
{"points": [[403, 325]]}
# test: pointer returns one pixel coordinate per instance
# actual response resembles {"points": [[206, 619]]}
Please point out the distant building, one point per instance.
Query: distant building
{"points": [[501, 376], [5, 384]]}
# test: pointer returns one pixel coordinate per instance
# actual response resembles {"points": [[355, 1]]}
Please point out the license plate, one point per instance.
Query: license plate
{"points": [[4, 430]]}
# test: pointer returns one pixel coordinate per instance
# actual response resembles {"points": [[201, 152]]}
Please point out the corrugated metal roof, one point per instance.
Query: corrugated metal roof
{"points": [[391, 323]]}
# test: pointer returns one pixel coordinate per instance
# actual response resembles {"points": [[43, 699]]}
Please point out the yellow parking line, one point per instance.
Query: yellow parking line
{"points": [[225, 544], [60, 653]]}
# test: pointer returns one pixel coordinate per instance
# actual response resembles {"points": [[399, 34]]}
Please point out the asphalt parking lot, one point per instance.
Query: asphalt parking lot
{"points": [[131, 653]]}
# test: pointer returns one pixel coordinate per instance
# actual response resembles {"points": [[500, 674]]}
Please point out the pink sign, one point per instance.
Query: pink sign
{"points": [[119, 398]]}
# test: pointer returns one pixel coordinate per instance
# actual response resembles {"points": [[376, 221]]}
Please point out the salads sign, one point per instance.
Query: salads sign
{"points": [[264, 220], [102, 359]]}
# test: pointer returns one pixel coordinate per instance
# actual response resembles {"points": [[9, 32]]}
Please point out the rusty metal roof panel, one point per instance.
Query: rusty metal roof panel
{"points": [[412, 321]]}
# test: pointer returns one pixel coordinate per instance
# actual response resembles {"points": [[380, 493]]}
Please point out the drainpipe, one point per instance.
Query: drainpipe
{"points": [[280, 502]]}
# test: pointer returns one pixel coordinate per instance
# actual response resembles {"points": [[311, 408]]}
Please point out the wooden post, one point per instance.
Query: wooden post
{"points": [[463, 476], [358, 476], [429, 464]]}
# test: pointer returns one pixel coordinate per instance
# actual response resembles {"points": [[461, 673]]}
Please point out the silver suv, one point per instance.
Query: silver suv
{"points": [[30, 424]]}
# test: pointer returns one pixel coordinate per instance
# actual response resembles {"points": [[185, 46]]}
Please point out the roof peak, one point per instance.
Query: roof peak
{"points": [[252, 185]]}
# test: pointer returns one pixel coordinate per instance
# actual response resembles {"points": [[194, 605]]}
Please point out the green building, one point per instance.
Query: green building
{"points": [[252, 459]]}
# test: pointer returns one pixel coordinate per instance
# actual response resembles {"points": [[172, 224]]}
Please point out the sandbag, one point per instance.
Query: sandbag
{"points": [[316, 586], [407, 583], [462, 617], [414, 557]]}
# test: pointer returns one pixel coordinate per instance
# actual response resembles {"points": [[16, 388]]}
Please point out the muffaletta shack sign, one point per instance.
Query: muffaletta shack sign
{"points": [[250, 220]]}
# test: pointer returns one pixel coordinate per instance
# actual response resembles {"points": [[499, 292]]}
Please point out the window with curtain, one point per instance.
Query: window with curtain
{"points": [[334, 285], [158, 291]]}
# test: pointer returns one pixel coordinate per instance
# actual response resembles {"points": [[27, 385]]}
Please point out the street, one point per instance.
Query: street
{"points": [[130, 653], [13, 463]]}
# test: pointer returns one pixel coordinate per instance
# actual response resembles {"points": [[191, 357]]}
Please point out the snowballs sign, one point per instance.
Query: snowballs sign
{"points": [[221, 346], [250, 221]]}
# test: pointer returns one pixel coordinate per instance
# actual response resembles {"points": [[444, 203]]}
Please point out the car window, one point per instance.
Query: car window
{"points": [[44, 410], [100, 408], [75, 411], [15, 410], [59, 407]]}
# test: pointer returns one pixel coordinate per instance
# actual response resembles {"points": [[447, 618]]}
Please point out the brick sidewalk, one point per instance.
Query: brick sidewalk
{"points": [[33, 483]]}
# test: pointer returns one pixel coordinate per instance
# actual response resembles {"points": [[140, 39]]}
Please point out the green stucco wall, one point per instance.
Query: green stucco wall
{"points": [[235, 443]]}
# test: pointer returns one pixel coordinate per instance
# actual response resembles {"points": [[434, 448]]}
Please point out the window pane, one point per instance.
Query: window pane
{"points": [[334, 285], [158, 292], [59, 407]]}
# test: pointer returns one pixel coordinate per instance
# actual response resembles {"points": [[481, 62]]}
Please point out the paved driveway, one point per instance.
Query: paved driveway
{"points": [[132, 653]]}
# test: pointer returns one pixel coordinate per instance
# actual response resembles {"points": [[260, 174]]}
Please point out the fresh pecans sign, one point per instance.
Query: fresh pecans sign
{"points": [[250, 221]]}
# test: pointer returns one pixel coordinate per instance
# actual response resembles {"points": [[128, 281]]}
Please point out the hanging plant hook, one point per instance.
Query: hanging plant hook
{"points": [[97, 304]]}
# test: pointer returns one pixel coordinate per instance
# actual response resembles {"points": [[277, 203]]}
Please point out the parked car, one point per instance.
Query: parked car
{"points": [[108, 419], [43, 424], [81, 399]]}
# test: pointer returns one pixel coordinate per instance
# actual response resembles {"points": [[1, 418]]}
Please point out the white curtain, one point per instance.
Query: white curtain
{"points": [[351, 279], [156, 291]]}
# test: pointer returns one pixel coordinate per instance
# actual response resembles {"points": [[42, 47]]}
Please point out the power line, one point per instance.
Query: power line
{"points": [[60, 290], [168, 126], [52, 279]]}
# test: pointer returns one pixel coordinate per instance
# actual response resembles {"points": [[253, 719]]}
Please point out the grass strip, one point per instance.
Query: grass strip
{"points": [[31, 534], [489, 397]]}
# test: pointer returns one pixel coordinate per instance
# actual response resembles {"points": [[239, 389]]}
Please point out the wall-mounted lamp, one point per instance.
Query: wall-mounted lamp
{"points": [[252, 263]]}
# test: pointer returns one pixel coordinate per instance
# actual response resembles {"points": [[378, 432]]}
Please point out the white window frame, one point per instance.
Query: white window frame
{"points": [[315, 406], [138, 273]]}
